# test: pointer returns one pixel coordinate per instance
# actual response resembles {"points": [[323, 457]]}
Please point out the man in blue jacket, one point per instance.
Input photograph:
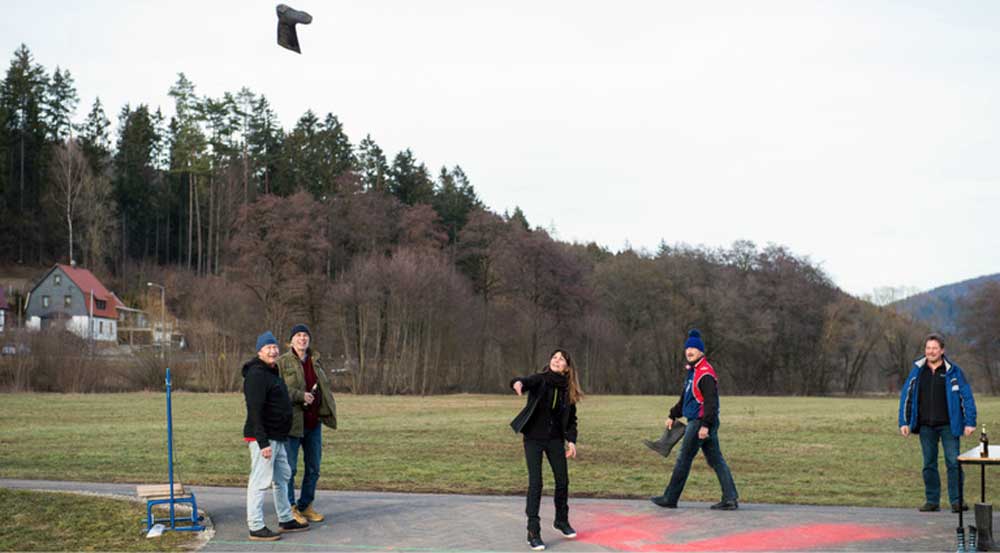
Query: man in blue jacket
{"points": [[936, 403]]}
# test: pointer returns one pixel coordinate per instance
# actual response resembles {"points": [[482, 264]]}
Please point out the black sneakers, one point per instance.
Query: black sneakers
{"points": [[662, 502], [292, 526], [726, 505], [264, 534], [535, 541], [566, 530], [929, 508], [955, 507]]}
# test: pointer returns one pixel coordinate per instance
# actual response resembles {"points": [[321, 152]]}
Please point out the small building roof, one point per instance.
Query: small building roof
{"points": [[89, 284]]}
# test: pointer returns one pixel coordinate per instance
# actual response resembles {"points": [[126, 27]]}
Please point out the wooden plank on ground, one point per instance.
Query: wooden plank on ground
{"points": [[159, 491]]}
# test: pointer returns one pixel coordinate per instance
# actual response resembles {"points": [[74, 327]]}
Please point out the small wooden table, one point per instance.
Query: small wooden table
{"points": [[972, 457]]}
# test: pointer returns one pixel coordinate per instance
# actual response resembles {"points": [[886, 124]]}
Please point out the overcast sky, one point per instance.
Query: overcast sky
{"points": [[861, 134]]}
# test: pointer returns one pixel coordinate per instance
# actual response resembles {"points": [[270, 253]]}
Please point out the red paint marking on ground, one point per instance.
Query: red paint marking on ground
{"points": [[806, 536], [619, 530], [624, 531]]}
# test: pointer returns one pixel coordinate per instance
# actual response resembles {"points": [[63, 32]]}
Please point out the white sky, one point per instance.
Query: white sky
{"points": [[862, 134]]}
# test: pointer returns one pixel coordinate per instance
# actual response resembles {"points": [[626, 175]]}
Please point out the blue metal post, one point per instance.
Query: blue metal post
{"points": [[173, 499], [170, 450]]}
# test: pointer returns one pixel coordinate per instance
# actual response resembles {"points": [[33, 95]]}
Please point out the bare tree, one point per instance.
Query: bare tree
{"points": [[71, 179]]}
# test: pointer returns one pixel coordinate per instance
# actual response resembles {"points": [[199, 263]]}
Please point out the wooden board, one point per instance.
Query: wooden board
{"points": [[160, 491]]}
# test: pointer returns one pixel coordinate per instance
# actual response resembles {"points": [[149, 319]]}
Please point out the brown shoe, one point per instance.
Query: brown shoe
{"points": [[312, 515], [299, 517]]}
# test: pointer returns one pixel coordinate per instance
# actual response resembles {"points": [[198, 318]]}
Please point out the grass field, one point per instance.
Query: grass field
{"points": [[834, 451], [43, 521]]}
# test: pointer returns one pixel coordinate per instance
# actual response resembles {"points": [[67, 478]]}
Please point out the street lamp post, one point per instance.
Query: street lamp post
{"points": [[163, 313]]}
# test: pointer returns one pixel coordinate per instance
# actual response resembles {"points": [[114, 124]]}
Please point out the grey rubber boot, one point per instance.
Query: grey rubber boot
{"points": [[287, 19], [668, 440], [984, 524]]}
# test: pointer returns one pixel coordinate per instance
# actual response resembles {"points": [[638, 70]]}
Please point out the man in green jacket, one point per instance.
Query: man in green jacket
{"points": [[312, 407]]}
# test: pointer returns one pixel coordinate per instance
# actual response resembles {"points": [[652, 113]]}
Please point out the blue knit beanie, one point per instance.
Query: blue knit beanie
{"points": [[299, 328], [265, 339], [694, 341]]}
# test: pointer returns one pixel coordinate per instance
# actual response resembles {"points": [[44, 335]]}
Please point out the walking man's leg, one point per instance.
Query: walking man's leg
{"points": [[713, 454], [682, 468]]}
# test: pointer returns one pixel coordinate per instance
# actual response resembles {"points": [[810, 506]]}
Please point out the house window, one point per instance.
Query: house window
{"points": [[45, 301], [68, 300], [101, 327], [101, 304], [58, 279]]}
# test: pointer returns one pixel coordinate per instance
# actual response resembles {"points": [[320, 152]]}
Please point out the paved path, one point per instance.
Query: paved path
{"points": [[362, 521]]}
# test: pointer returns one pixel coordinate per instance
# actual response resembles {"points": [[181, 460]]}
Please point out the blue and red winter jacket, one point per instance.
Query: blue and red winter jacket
{"points": [[961, 405], [694, 403]]}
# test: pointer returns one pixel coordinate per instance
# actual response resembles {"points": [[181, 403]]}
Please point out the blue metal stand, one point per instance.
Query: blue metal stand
{"points": [[173, 501]]}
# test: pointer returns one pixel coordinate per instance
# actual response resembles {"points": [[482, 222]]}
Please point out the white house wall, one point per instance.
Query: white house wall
{"points": [[103, 329]]}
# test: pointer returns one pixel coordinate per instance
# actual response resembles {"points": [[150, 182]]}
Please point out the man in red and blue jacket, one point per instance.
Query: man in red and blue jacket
{"points": [[699, 404], [936, 403]]}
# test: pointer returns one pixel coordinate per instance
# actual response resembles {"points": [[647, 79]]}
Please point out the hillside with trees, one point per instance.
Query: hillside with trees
{"points": [[942, 307], [408, 281]]}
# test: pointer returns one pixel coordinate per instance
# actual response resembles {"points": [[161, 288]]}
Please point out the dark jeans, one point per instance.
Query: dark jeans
{"points": [[312, 453], [556, 452], [690, 445], [929, 436]]}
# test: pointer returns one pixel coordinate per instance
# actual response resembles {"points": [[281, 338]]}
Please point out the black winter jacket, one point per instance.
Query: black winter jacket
{"points": [[269, 411], [536, 387]]}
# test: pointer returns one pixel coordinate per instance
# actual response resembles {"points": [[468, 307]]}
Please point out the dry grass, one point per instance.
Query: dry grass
{"points": [[837, 451]]}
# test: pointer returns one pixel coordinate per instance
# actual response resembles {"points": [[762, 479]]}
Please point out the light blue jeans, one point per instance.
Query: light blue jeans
{"points": [[268, 473]]}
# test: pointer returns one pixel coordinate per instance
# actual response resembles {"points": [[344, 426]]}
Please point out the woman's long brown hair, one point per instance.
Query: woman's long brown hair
{"points": [[575, 391]]}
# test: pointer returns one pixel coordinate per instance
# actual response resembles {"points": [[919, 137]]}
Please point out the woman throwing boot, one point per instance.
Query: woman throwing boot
{"points": [[548, 422]]}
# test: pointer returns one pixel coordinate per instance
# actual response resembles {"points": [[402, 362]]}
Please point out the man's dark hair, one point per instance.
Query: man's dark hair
{"points": [[936, 337]]}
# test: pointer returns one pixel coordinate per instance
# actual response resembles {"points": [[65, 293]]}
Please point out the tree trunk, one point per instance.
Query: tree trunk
{"points": [[197, 214], [211, 222], [69, 223], [190, 215], [246, 175], [166, 234]]}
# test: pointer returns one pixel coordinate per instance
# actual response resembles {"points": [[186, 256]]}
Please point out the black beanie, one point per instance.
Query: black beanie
{"points": [[299, 328]]}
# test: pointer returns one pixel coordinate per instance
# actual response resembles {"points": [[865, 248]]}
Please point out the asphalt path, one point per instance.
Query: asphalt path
{"points": [[372, 521]]}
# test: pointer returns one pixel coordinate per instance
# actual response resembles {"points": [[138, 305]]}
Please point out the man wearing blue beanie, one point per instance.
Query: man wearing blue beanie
{"points": [[699, 403], [269, 418]]}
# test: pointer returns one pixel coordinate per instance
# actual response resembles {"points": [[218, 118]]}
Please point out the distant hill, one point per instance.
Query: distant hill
{"points": [[939, 307]]}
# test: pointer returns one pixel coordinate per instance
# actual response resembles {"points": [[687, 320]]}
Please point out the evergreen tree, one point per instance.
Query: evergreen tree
{"points": [[188, 160], [338, 154], [373, 166], [264, 143], [22, 95], [61, 101], [518, 218], [410, 182], [298, 164], [94, 139], [135, 173], [454, 200]]}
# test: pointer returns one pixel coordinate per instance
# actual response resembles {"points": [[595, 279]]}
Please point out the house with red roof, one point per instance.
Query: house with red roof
{"points": [[72, 296]]}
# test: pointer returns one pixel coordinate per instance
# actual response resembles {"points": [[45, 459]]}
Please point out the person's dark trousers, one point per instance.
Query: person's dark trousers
{"points": [[556, 452], [312, 453], [690, 445], [929, 437]]}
